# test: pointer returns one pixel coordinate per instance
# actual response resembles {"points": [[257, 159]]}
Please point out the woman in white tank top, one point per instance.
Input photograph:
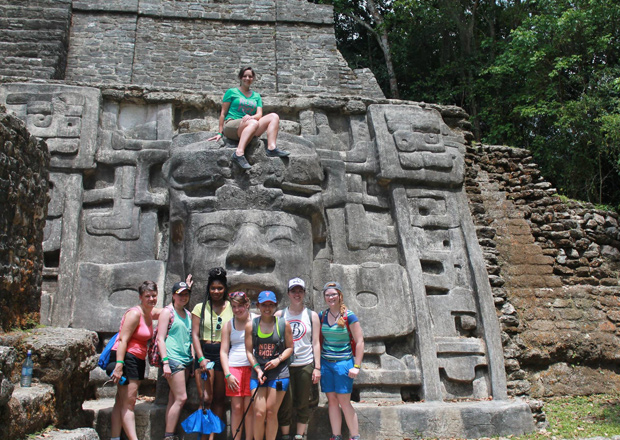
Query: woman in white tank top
{"points": [[237, 369], [305, 368]]}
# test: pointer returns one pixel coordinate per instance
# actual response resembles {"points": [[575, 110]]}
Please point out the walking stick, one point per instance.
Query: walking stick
{"points": [[246, 412]]}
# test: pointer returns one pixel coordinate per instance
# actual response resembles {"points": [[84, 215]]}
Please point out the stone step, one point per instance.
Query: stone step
{"points": [[30, 409], [377, 421], [75, 434]]}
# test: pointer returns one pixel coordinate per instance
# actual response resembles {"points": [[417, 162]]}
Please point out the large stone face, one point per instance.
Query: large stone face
{"points": [[373, 199]]}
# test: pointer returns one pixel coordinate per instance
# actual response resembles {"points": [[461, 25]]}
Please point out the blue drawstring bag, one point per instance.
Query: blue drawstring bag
{"points": [[104, 357]]}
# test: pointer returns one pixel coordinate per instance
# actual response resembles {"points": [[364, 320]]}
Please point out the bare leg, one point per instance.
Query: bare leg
{"points": [[349, 413], [123, 411], [301, 428], [249, 418], [219, 393], [238, 406], [335, 418], [176, 400], [260, 412], [205, 393], [274, 399], [271, 124], [236, 413], [246, 132]]}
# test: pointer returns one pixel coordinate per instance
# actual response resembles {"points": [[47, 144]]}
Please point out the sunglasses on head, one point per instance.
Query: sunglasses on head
{"points": [[236, 295]]}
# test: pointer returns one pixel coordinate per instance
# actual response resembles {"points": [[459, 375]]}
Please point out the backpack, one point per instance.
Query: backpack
{"points": [[104, 357], [291, 358], [153, 350], [280, 329], [345, 317]]}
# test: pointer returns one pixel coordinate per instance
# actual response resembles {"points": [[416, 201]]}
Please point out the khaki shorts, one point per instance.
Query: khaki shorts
{"points": [[231, 127]]}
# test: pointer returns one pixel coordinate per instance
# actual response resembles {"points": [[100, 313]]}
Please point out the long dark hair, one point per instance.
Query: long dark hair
{"points": [[215, 274]]}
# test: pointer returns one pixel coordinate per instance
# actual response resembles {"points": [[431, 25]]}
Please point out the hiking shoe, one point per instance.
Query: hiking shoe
{"points": [[241, 161], [335, 437], [276, 152], [355, 437], [298, 437]]}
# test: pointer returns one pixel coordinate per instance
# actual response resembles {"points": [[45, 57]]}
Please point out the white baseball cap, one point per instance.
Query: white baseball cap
{"points": [[296, 282]]}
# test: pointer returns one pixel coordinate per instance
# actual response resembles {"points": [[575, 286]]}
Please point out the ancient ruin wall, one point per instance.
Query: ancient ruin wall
{"points": [[24, 163], [554, 271], [34, 37], [200, 45]]}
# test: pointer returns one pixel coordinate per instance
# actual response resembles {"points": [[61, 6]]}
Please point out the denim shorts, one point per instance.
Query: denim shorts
{"points": [[271, 384], [335, 376], [176, 366]]}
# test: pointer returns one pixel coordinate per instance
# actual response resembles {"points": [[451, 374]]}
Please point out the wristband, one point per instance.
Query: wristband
{"points": [[165, 359], [120, 362], [227, 376], [220, 134], [201, 359], [256, 365], [317, 368], [357, 366], [280, 358]]}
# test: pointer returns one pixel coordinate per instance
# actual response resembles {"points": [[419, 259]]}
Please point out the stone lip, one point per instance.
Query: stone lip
{"points": [[377, 420], [472, 419]]}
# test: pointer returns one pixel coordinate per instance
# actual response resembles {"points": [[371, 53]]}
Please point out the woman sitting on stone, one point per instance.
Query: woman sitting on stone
{"points": [[128, 360], [242, 118]]}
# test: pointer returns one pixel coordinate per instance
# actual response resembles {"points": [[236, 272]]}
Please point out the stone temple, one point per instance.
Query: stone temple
{"points": [[125, 94]]}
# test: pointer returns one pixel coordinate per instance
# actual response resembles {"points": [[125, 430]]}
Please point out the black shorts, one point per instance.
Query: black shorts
{"points": [[133, 369], [211, 351]]}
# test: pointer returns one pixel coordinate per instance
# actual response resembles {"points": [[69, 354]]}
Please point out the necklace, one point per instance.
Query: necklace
{"points": [[335, 316]]}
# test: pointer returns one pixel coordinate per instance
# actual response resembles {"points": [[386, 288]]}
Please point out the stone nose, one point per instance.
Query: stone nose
{"points": [[250, 251]]}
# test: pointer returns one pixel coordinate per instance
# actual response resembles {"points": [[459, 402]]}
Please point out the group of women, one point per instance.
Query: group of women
{"points": [[265, 363]]}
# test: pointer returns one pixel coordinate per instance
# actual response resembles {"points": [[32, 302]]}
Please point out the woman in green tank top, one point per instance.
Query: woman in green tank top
{"points": [[174, 336]]}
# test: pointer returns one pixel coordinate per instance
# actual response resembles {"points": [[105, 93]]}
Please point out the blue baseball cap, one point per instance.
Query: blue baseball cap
{"points": [[267, 295]]}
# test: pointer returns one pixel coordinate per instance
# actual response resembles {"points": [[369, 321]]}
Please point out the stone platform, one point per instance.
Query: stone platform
{"points": [[377, 421]]}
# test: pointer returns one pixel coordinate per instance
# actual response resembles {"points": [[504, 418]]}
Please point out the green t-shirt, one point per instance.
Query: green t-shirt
{"points": [[241, 105]]}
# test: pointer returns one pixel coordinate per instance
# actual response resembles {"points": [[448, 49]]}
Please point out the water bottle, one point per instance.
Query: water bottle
{"points": [[27, 371]]}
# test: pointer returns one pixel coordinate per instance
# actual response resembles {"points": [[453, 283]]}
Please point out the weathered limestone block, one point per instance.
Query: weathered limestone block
{"points": [[24, 163], [112, 289], [7, 362], [66, 117], [75, 434], [29, 410], [63, 359]]}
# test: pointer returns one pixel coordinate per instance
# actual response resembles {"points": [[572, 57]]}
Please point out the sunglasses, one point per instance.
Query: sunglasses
{"points": [[218, 326], [236, 295]]}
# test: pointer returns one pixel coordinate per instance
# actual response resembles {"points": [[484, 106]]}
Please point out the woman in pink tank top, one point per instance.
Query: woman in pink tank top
{"points": [[128, 360]]}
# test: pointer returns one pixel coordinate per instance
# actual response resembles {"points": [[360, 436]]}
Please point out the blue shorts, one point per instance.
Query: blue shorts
{"points": [[176, 366], [335, 376], [271, 384]]}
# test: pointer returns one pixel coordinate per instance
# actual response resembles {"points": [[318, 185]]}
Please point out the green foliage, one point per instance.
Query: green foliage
{"points": [[580, 417], [540, 74]]}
